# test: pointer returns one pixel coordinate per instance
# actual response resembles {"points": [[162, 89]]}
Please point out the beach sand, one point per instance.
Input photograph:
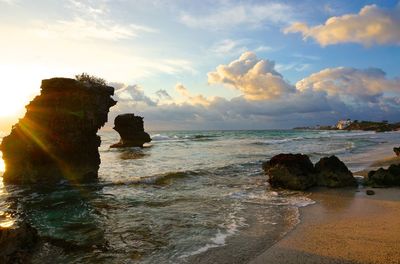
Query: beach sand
{"points": [[343, 226]]}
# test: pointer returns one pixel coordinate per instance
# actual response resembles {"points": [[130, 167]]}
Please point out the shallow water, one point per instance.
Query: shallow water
{"points": [[186, 193]]}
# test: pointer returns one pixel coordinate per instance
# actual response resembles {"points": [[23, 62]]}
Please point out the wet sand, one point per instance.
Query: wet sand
{"points": [[343, 226]]}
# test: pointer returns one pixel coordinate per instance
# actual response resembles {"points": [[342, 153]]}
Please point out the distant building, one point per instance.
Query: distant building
{"points": [[343, 124]]}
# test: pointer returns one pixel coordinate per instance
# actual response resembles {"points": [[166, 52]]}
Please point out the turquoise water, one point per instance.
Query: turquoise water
{"points": [[186, 194]]}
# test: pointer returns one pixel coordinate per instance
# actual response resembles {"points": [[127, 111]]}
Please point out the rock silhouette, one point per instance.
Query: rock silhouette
{"points": [[131, 130], [56, 140]]}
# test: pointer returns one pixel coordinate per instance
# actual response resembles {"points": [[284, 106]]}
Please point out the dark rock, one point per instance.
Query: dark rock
{"points": [[385, 177], [56, 140], [397, 151], [291, 171], [331, 172], [370, 192], [17, 243], [131, 130]]}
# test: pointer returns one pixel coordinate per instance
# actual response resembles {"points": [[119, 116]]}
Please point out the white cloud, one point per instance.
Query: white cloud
{"points": [[350, 84], [81, 28], [252, 15], [192, 99], [235, 47], [256, 78], [371, 26]]}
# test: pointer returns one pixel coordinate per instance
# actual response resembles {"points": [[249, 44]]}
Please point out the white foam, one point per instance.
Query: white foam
{"points": [[226, 230]]}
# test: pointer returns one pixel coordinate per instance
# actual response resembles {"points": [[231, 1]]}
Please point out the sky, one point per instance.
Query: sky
{"points": [[220, 64]]}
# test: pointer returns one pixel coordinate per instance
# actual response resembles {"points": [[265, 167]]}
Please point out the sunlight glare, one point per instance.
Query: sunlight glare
{"points": [[18, 90]]}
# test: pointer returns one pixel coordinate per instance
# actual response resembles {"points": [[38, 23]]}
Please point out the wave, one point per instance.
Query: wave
{"points": [[160, 179], [197, 137]]}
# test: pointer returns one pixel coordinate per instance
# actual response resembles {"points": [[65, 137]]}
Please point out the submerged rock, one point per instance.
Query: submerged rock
{"points": [[131, 130], [331, 172], [397, 151], [291, 171], [385, 177], [17, 243], [56, 140]]}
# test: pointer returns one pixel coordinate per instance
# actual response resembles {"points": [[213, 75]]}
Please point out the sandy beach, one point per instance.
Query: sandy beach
{"points": [[343, 226]]}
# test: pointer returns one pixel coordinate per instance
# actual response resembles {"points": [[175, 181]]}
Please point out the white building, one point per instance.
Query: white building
{"points": [[342, 124]]}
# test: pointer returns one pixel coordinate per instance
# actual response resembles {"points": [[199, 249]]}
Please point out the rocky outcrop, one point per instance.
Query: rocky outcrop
{"points": [[17, 243], [385, 177], [290, 171], [131, 130], [397, 151], [296, 172], [56, 140], [331, 172]]}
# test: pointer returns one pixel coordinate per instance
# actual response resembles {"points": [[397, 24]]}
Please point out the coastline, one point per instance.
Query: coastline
{"points": [[344, 226]]}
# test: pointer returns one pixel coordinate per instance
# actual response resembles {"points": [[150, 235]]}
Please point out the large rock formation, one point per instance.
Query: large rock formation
{"points": [[56, 140], [385, 177], [296, 172], [291, 171], [131, 130], [331, 172], [17, 243]]}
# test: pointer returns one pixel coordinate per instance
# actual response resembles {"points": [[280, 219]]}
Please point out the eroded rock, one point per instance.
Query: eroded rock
{"points": [[131, 130], [296, 172], [331, 172], [17, 243], [291, 171], [385, 177], [56, 140]]}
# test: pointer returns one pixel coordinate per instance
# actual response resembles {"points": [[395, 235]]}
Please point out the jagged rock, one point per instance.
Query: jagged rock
{"points": [[17, 243], [385, 177], [291, 171], [397, 151], [56, 140], [131, 130], [331, 172]]}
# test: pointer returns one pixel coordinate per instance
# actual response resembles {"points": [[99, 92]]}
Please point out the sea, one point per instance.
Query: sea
{"points": [[187, 197]]}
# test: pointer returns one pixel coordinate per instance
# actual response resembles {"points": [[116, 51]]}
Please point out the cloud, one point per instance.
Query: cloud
{"points": [[321, 98], [256, 78], [252, 15], [81, 28], [163, 95], [192, 99], [371, 26], [350, 84], [89, 22], [236, 47], [132, 94]]}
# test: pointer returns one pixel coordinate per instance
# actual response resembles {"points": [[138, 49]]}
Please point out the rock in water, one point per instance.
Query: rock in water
{"points": [[17, 243], [56, 140], [131, 130], [331, 172], [291, 171]]}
